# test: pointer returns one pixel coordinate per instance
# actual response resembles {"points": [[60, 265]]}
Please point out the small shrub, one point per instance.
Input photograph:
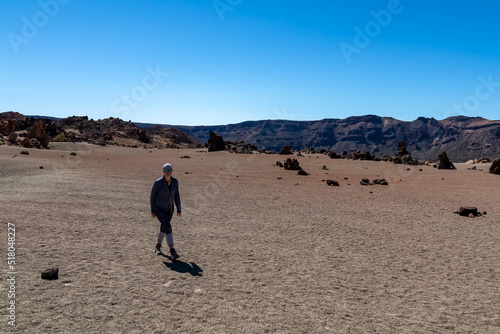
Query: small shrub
{"points": [[73, 153], [1, 142], [60, 138]]}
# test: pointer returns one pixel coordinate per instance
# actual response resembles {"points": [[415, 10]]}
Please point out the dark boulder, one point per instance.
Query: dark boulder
{"points": [[215, 142], [50, 274], [467, 210], [332, 183], [287, 149], [7, 127], [291, 164], [444, 162], [12, 137], [37, 132], [333, 155], [302, 172], [279, 164], [495, 166], [143, 137]]}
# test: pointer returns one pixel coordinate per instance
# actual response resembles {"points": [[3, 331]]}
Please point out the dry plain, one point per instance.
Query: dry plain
{"points": [[259, 254]]}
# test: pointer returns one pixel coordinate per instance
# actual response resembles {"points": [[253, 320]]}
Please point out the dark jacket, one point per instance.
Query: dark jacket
{"points": [[163, 198]]}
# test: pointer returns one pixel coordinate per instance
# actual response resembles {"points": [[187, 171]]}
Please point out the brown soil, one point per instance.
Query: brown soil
{"points": [[258, 254]]}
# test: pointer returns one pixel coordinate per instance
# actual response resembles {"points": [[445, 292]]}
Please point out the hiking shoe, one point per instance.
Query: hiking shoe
{"points": [[173, 254], [158, 248]]}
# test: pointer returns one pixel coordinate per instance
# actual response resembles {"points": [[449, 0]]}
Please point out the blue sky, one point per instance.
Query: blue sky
{"points": [[225, 61]]}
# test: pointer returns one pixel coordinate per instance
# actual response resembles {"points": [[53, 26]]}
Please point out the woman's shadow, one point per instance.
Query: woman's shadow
{"points": [[183, 267]]}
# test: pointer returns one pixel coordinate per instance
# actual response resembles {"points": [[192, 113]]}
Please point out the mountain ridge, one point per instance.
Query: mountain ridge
{"points": [[461, 137]]}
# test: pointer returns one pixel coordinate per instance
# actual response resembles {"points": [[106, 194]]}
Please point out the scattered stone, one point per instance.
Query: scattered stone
{"points": [[299, 154], [241, 147], [364, 183], [279, 164], [420, 170], [24, 152], [187, 173], [444, 162], [302, 172], [325, 168], [280, 178], [471, 215], [291, 164], [495, 167], [485, 213], [41, 167], [332, 183], [186, 157], [384, 183], [467, 210], [51, 273], [333, 155], [365, 180]]}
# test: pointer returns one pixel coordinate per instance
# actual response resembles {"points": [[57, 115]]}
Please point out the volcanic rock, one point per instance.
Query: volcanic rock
{"points": [[143, 137], [403, 156], [287, 149], [279, 164], [332, 183], [51, 273], [241, 147], [333, 155], [302, 172], [12, 137], [467, 210], [215, 143], [37, 132], [7, 127], [291, 164], [495, 166], [444, 162]]}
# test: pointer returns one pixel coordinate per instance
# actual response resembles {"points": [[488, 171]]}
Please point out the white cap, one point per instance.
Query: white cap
{"points": [[167, 165]]}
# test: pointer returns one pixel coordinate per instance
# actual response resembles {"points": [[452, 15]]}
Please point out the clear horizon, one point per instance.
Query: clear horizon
{"points": [[229, 61]]}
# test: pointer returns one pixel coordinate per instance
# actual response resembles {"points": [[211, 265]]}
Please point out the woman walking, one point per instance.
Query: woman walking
{"points": [[164, 194]]}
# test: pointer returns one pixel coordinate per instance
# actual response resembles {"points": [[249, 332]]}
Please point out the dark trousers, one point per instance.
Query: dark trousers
{"points": [[165, 216]]}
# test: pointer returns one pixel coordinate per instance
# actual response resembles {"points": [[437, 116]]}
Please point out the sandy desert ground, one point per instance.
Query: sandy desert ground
{"points": [[258, 254]]}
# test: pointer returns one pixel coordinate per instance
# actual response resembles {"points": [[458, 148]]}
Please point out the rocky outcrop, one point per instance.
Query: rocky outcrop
{"points": [[7, 127], [444, 162], [287, 149], [215, 142], [241, 147], [36, 137], [291, 164], [495, 166], [403, 156]]}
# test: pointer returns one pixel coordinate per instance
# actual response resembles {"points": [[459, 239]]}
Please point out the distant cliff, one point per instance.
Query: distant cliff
{"points": [[461, 137]]}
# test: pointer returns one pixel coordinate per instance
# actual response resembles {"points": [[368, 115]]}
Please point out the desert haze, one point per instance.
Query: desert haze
{"points": [[262, 249]]}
